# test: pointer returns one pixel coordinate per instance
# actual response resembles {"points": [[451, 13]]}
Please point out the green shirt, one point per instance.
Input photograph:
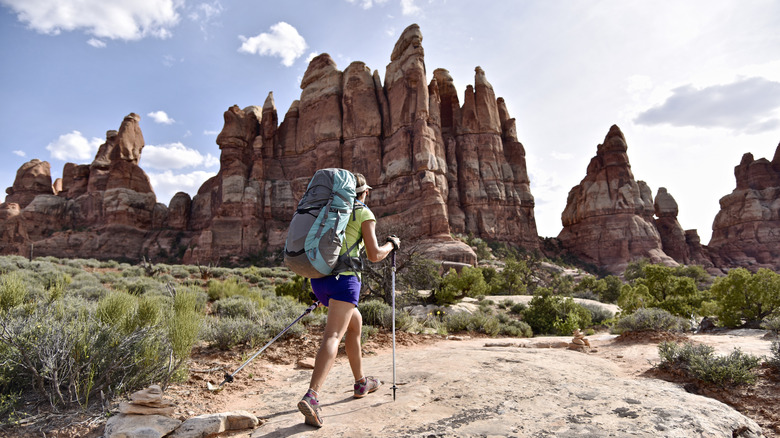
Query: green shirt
{"points": [[354, 232]]}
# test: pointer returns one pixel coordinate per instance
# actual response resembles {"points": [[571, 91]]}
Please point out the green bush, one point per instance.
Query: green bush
{"points": [[652, 319], [376, 313], [479, 322], [774, 360], [226, 333], [12, 291], [552, 314], [699, 361], [454, 286], [745, 298], [598, 314], [662, 287], [235, 307], [298, 288], [512, 280], [772, 324], [65, 354]]}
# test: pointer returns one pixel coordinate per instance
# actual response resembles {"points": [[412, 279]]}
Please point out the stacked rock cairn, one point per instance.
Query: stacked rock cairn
{"points": [[579, 342]]}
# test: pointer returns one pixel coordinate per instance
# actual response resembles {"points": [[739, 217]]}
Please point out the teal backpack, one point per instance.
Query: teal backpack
{"points": [[318, 227]]}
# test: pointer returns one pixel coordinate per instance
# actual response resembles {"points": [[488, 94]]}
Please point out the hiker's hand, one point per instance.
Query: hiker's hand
{"points": [[395, 241]]}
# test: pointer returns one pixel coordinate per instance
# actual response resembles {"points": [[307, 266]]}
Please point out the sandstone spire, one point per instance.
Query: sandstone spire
{"points": [[608, 219]]}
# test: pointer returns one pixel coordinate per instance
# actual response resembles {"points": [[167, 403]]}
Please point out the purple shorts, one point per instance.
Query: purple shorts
{"points": [[339, 287]]}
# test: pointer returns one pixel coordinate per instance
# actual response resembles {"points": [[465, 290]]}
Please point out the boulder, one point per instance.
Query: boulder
{"points": [[139, 426], [207, 425]]}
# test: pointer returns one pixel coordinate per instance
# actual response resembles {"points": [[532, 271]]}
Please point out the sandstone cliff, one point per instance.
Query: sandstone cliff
{"points": [[105, 210], [608, 219], [437, 168], [746, 230]]}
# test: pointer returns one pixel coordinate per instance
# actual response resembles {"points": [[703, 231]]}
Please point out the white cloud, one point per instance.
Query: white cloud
{"points": [[205, 14], [207, 132], [175, 156], [746, 105], [283, 41], [367, 4], [167, 184], [409, 8], [20, 153], [125, 20], [311, 56], [96, 43], [161, 117], [74, 146]]}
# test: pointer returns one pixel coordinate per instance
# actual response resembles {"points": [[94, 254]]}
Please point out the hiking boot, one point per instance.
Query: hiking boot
{"points": [[310, 408], [365, 386]]}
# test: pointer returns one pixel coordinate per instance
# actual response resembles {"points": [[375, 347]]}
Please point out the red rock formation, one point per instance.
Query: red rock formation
{"points": [[103, 210], [608, 219], [673, 238], [32, 179], [436, 168], [430, 176], [746, 230]]}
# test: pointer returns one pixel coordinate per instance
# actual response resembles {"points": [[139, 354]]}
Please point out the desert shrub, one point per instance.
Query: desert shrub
{"points": [[226, 333], [598, 314], [117, 309], [772, 324], [735, 368], [518, 308], [12, 291], [679, 356], [218, 289], [376, 313], [472, 322], [454, 286], [652, 319], [367, 332], [140, 285], [419, 273], [179, 271], [774, 359], [66, 354], [699, 361], [552, 314], [513, 327], [298, 288], [236, 306], [745, 298]]}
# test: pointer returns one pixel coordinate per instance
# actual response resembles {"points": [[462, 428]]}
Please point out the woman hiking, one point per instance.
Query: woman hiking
{"points": [[340, 293]]}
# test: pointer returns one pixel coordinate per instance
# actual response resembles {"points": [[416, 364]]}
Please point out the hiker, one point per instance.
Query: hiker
{"points": [[340, 293]]}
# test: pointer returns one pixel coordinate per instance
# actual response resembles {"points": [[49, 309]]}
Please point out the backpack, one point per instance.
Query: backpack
{"points": [[318, 226]]}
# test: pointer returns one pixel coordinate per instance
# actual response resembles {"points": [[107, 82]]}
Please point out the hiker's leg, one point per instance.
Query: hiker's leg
{"points": [[352, 344], [339, 315]]}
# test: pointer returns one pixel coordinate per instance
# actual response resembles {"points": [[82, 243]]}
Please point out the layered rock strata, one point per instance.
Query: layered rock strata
{"points": [[433, 175], [608, 220], [746, 230], [106, 209], [437, 168]]}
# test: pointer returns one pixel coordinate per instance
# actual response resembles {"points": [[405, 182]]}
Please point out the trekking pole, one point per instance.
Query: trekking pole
{"points": [[229, 377], [392, 282]]}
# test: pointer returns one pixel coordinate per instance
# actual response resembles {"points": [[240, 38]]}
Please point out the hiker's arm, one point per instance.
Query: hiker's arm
{"points": [[374, 252]]}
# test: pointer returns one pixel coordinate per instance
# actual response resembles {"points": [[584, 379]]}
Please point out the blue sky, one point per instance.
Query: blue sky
{"points": [[692, 84]]}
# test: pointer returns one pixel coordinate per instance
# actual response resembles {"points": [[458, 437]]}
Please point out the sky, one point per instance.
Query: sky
{"points": [[692, 84]]}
